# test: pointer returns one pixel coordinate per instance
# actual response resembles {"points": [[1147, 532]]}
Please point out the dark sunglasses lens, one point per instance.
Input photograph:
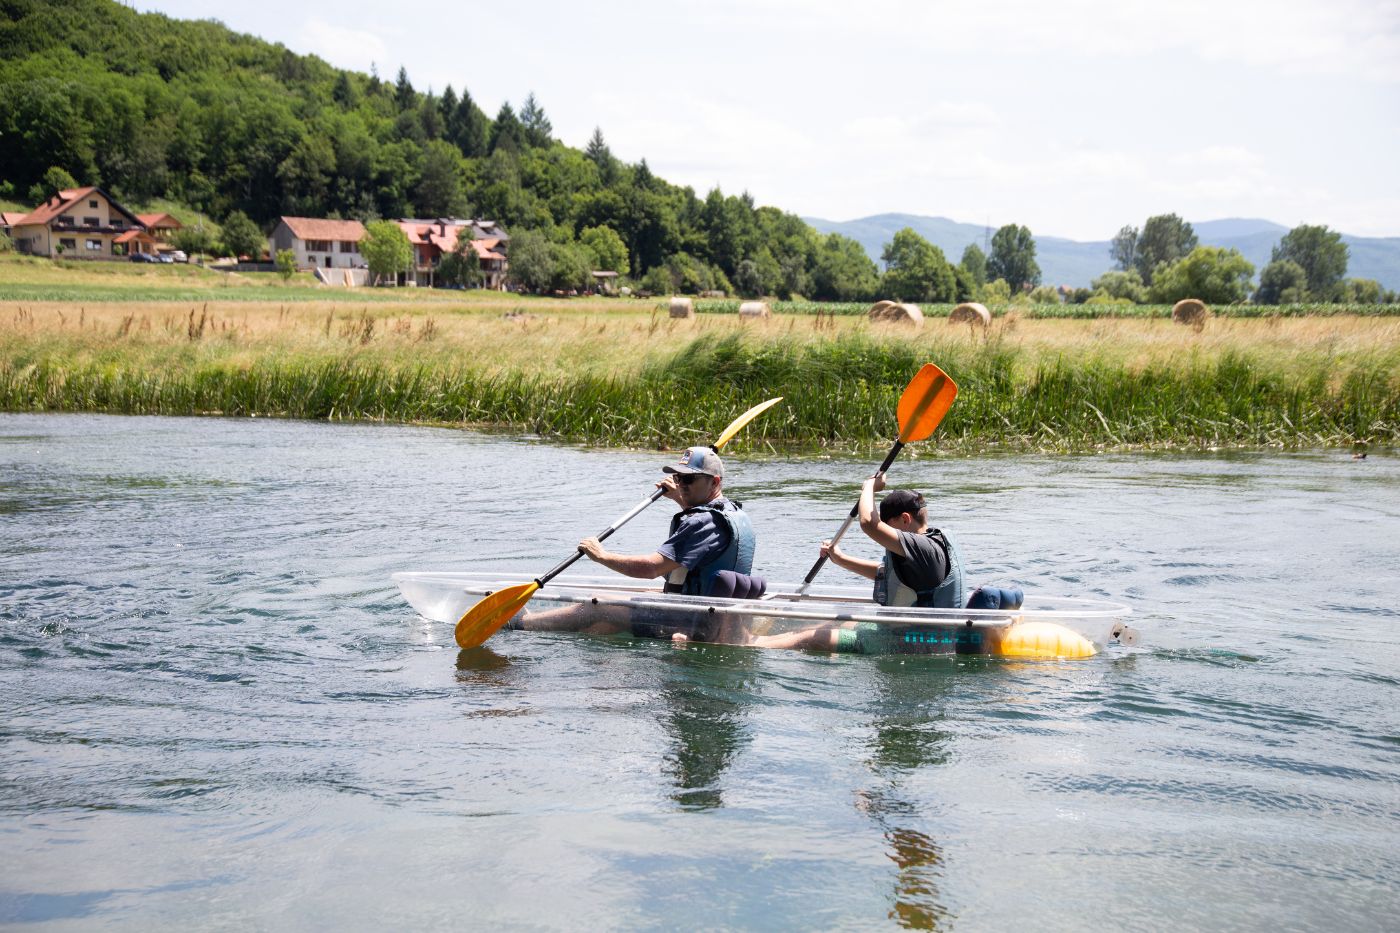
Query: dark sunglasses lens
{"points": [[685, 479]]}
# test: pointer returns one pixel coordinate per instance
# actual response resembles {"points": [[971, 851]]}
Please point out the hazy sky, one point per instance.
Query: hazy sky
{"points": [[1073, 117]]}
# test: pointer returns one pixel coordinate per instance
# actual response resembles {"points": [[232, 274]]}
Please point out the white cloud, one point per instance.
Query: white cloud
{"points": [[344, 46]]}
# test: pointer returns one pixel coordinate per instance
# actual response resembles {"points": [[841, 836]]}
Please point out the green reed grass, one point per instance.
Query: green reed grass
{"points": [[1082, 312], [840, 392]]}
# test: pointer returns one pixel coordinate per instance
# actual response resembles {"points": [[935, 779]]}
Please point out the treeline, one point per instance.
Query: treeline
{"points": [[151, 107], [1158, 265]]}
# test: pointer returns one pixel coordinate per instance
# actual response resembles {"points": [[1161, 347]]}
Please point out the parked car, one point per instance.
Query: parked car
{"points": [[165, 257], [143, 257], [178, 256]]}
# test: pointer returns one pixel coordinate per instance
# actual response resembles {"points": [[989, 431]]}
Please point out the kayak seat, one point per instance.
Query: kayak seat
{"points": [[731, 585], [996, 597]]}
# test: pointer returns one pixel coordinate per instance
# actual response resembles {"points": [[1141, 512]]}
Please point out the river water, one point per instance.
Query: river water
{"points": [[219, 713]]}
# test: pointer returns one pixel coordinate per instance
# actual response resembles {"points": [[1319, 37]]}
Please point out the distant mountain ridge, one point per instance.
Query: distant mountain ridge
{"points": [[1076, 263]]}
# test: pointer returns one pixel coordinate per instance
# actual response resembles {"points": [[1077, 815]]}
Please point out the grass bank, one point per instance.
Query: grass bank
{"points": [[639, 378]]}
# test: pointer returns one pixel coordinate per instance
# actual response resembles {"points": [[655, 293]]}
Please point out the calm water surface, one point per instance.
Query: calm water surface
{"points": [[219, 713]]}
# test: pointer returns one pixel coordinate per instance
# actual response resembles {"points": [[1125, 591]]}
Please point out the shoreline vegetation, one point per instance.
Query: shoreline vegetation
{"points": [[621, 372]]}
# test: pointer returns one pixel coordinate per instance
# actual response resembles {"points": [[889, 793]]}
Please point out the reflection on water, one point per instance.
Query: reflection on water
{"points": [[909, 706], [704, 698]]}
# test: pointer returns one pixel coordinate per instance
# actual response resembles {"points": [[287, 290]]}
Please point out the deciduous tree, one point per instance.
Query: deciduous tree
{"points": [[1213, 274], [1123, 248], [1165, 238], [1283, 282], [605, 248], [1013, 258], [1322, 255], [916, 270], [386, 249], [974, 263], [242, 237]]}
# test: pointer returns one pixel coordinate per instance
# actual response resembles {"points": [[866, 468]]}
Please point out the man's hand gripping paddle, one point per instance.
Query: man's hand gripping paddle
{"points": [[486, 618], [925, 401]]}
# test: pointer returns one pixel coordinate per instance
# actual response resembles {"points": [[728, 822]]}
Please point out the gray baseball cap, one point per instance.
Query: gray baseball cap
{"points": [[697, 460]]}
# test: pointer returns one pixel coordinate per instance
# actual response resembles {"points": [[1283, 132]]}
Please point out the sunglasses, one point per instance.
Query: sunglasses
{"points": [[685, 479]]}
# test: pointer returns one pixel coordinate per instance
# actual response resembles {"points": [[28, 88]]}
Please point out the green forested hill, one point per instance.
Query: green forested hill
{"points": [[152, 107]]}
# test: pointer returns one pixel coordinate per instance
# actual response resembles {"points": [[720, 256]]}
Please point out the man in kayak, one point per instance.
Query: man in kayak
{"points": [[709, 553], [921, 567]]}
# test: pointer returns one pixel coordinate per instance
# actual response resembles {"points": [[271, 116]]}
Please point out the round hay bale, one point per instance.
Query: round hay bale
{"points": [[891, 312], [878, 309], [682, 307], [1191, 311], [970, 312], [755, 309]]}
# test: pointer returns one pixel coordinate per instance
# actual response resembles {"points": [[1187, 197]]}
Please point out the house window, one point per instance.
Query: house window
{"points": [[92, 204], [94, 244], [348, 246], [89, 221], [318, 246], [68, 243], [116, 223]]}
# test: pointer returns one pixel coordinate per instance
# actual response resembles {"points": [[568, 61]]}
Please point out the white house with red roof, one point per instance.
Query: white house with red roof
{"points": [[320, 244], [78, 223]]}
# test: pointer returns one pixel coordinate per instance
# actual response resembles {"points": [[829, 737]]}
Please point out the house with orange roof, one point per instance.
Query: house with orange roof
{"points": [[9, 218], [161, 227], [319, 243], [433, 239], [79, 223]]}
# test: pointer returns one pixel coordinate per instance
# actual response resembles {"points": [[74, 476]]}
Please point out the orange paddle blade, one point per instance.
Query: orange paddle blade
{"points": [[925, 401], [486, 618]]}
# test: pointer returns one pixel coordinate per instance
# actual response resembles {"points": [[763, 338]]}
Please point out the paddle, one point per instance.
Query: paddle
{"points": [[925, 401], [485, 618]]}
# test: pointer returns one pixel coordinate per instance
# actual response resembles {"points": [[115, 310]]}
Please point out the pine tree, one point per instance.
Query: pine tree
{"points": [[506, 131], [403, 91], [534, 122], [470, 132]]}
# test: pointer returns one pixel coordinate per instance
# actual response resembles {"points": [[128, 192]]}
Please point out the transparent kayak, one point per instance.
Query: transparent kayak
{"points": [[841, 618]]}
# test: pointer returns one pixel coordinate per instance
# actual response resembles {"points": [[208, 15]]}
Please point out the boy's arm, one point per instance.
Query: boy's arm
{"points": [[887, 536], [866, 568]]}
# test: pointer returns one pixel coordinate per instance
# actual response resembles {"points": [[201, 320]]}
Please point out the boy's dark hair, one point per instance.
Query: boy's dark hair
{"points": [[900, 501]]}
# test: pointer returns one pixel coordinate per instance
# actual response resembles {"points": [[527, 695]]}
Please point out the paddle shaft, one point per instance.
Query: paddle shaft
{"points": [[569, 561], [855, 510]]}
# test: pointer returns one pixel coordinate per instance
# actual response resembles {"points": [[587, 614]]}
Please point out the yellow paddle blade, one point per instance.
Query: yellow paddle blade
{"points": [[738, 423], [485, 618], [925, 401]]}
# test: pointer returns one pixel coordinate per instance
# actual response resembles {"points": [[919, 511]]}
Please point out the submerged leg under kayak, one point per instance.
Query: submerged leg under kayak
{"points": [[836, 618]]}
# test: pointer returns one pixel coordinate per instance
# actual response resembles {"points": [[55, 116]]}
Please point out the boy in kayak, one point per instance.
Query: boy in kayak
{"points": [[921, 567], [709, 551]]}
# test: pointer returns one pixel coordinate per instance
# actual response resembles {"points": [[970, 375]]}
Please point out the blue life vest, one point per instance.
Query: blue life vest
{"points": [[737, 556], [891, 590]]}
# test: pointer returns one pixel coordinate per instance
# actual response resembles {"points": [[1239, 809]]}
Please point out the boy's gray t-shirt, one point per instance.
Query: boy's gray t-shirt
{"points": [[925, 564]]}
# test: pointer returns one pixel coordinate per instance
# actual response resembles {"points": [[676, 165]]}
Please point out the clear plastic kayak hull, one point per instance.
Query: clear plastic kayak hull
{"points": [[1043, 626]]}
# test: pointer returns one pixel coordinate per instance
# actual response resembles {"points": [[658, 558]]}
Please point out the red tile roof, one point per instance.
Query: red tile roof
{"points": [[135, 234], [486, 249], [154, 220], [10, 218], [314, 228], [56, 205]]}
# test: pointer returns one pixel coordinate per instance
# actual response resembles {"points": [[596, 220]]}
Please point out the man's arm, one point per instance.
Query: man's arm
{"points": [[641, 566]]}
